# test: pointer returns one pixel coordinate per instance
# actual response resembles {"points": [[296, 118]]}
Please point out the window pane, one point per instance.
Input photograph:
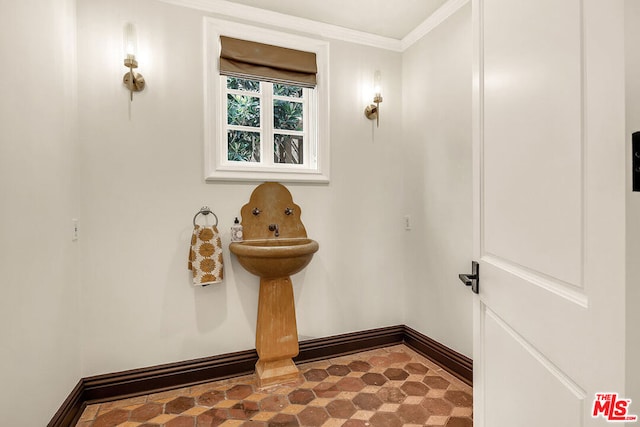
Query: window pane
{"points": [[287, 115], [243, 146], [284, 90], [243, 110], [243, 84], [288, 149]]}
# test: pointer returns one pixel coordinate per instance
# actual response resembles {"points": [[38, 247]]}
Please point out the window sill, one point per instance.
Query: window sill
{"points": [[261, 176]]}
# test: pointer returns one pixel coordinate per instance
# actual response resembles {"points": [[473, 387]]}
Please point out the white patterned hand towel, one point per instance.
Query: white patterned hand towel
{"points": [[205, 256]]}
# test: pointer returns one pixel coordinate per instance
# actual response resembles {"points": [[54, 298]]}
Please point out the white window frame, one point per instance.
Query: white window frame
{"points": [[216, 164]]}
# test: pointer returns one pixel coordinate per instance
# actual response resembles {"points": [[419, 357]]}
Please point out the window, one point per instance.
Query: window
{"points": [[267, 123], [272, 127]]}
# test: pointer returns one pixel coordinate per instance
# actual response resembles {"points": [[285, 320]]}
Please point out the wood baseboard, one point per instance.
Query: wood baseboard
{"points": [[453, 362], [121, 385], [71, 408], [340, 345]]}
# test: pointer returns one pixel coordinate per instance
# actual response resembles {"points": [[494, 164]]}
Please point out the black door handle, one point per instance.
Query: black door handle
{"points": [[472, 279]]}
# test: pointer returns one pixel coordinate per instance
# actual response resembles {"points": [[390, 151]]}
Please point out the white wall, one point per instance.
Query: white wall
{"points": [[632, 41], [437, 180], [143, 182], [40, 351]]}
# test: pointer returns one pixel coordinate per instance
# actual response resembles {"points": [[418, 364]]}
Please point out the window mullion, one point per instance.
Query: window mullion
{"points": [[267, 112], [224, 146], [306, 126]]}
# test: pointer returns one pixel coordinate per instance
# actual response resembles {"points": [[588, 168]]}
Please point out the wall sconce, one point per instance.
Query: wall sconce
{"points": [[373, 111], [133, 81]]}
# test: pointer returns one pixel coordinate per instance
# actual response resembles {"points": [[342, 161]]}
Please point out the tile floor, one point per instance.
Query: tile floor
{"points": [[389, 387]]}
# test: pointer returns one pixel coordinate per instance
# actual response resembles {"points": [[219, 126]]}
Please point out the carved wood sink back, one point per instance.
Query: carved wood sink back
{"points": [[271, 204]]}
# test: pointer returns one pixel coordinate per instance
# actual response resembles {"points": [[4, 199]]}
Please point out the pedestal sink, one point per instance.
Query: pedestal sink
{"points": [[276, 333], [272, 258], [276, 247]]}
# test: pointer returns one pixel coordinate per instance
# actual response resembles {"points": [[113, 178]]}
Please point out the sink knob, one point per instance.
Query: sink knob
{"points": [[288, 211], [256, 211]]}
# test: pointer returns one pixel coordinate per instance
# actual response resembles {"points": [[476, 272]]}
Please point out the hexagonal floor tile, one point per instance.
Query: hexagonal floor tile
{"points": [[435, 382], [396, 374], [414, 388], [326, 390], [391, 395], [459, 422], [181, 421], [179, 405], [338, 370], [359, 366], [274, 403], [398, 356], [313, 416], [243, 410], [301, 396], [341, 408], [284, 420], [380, 361], [112, 418], [371, 378], [145, 412], [210, 398], [367, 401], [437, 406], [459, 398], [350, 384], [412, 414], [315, 375], [239, 392], [385, 419], [212, 417], [416, 368]]}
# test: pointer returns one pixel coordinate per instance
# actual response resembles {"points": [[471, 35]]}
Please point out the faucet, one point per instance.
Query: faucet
{"points": [[274, 227]]}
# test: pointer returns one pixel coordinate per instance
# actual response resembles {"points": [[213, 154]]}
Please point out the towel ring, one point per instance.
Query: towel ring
{"points": [[205, 211]]}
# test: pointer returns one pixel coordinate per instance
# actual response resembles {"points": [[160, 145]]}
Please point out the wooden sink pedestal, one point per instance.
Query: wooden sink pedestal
{"points": [[276, 332]]}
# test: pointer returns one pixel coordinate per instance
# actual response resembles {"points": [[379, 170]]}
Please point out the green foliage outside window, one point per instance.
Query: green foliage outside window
{"points": [[290, 91], [243, 110], [243, 146], [243, 84], [287, 115]]}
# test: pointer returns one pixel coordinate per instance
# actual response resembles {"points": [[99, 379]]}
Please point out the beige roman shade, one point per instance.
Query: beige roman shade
{"points": [[251, 60]]}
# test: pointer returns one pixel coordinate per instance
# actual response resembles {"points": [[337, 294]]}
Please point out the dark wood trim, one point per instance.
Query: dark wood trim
{"points": [[71, 409], [135, 382], [340, 345], [455, 363]]}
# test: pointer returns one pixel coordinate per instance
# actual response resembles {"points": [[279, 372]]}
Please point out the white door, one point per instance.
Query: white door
{"points": [[549, 220]]}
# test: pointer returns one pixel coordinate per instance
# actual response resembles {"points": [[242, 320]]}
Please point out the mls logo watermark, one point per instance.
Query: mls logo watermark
{"points": [[612, 408]]}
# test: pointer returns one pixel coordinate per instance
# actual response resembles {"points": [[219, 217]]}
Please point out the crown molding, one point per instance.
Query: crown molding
{"points": [[240, 12], [222, 8], [437, 18]]}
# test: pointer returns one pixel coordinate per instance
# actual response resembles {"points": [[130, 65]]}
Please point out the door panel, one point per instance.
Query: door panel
{"points": [[533, 82], [518, 362]]}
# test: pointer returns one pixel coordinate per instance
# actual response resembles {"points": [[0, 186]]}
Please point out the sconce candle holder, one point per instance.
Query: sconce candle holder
{"points": [[132, 80], [372, 111]]}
